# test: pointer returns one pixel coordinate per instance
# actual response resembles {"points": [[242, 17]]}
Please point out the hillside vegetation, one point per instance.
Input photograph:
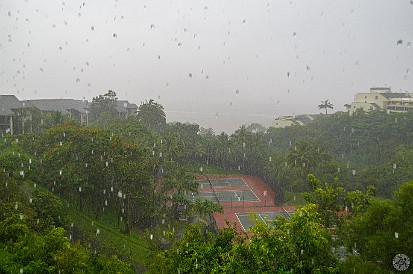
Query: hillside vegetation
{"points": [[111, 197]]}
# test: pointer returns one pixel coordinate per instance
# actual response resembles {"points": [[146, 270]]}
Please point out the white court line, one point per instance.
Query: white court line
{"points": [[236, 214], [262, 218]]}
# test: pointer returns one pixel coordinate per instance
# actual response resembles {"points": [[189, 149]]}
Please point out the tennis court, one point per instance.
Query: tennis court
{"points": [[221, 183], [247, 222], [227, 196]]}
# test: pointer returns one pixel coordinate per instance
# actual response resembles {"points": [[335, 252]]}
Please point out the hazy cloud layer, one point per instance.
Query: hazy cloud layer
{"points": [[217, 63]]}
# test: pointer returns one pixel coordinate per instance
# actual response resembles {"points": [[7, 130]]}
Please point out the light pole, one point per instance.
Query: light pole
{"points": [[210, 184], [265, 197]]}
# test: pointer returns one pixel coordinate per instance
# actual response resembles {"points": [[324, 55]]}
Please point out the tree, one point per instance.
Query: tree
{"points": [[152, 115], [384, 230], [305, 157], [255, 127], [331, 198], [55, 117], [103, 107], [300, 244], [99, 171], [176, 185], [326, 105]]}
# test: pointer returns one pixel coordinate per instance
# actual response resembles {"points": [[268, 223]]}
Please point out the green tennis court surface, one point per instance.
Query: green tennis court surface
{"points": [[228, 196], [220, 183], [247, 222]]}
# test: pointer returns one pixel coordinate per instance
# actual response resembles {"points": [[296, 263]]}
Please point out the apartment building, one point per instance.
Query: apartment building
{"points": [[381, 98], [11, 108]]}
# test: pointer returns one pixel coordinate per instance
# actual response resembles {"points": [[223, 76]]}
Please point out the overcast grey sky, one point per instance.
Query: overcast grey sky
{"points": [[217, 63]]}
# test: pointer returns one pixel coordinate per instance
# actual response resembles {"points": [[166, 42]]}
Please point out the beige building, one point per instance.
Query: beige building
{"points": [[299, 120], [400, 104], [381, 98]]}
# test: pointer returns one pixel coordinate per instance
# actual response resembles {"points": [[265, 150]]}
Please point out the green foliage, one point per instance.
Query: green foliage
{"points": [[98, 171], [300, 244], [205, 208], [32, 241], [383, 231], [103, 108], [53, 118], [152, 115], [18, 163], [330, 199], [49, 210], [326, 105]]}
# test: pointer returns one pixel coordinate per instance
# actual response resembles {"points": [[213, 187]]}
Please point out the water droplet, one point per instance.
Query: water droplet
{"points": [[152, 26], [237, 91], [115, 35], [399, 42], [179, 45], [409, 44], [190, 75], [92, 28], [294, 34], [288, 74], [77, 80]]}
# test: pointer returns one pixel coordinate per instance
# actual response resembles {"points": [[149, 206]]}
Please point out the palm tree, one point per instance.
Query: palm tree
{"points": [[326, 105]]}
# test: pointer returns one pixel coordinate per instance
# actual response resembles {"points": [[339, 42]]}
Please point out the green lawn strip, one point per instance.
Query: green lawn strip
{"points": [[294, 199], [132, 248]]}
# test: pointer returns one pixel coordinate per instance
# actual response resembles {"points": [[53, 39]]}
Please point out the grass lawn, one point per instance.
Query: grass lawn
{"points": [[294, 199]]}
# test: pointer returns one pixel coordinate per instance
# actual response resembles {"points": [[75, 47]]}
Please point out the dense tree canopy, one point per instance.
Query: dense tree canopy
{"points": [[152, 115], [103, 107]]}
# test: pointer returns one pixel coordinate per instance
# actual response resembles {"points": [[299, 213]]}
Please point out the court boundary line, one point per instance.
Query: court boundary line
{"points": [[239, 221], [229, 178], [233, 191], [259, 215]]}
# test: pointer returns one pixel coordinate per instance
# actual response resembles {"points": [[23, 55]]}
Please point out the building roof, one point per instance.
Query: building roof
{"points": [[305, 118], [385, 90], [375, 105], [123, 106], [395, 95], [62, 105], [7, 103]]}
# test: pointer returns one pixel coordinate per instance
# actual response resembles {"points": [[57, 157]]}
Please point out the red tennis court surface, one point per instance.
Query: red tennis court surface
{"points": [[266, 200]]}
